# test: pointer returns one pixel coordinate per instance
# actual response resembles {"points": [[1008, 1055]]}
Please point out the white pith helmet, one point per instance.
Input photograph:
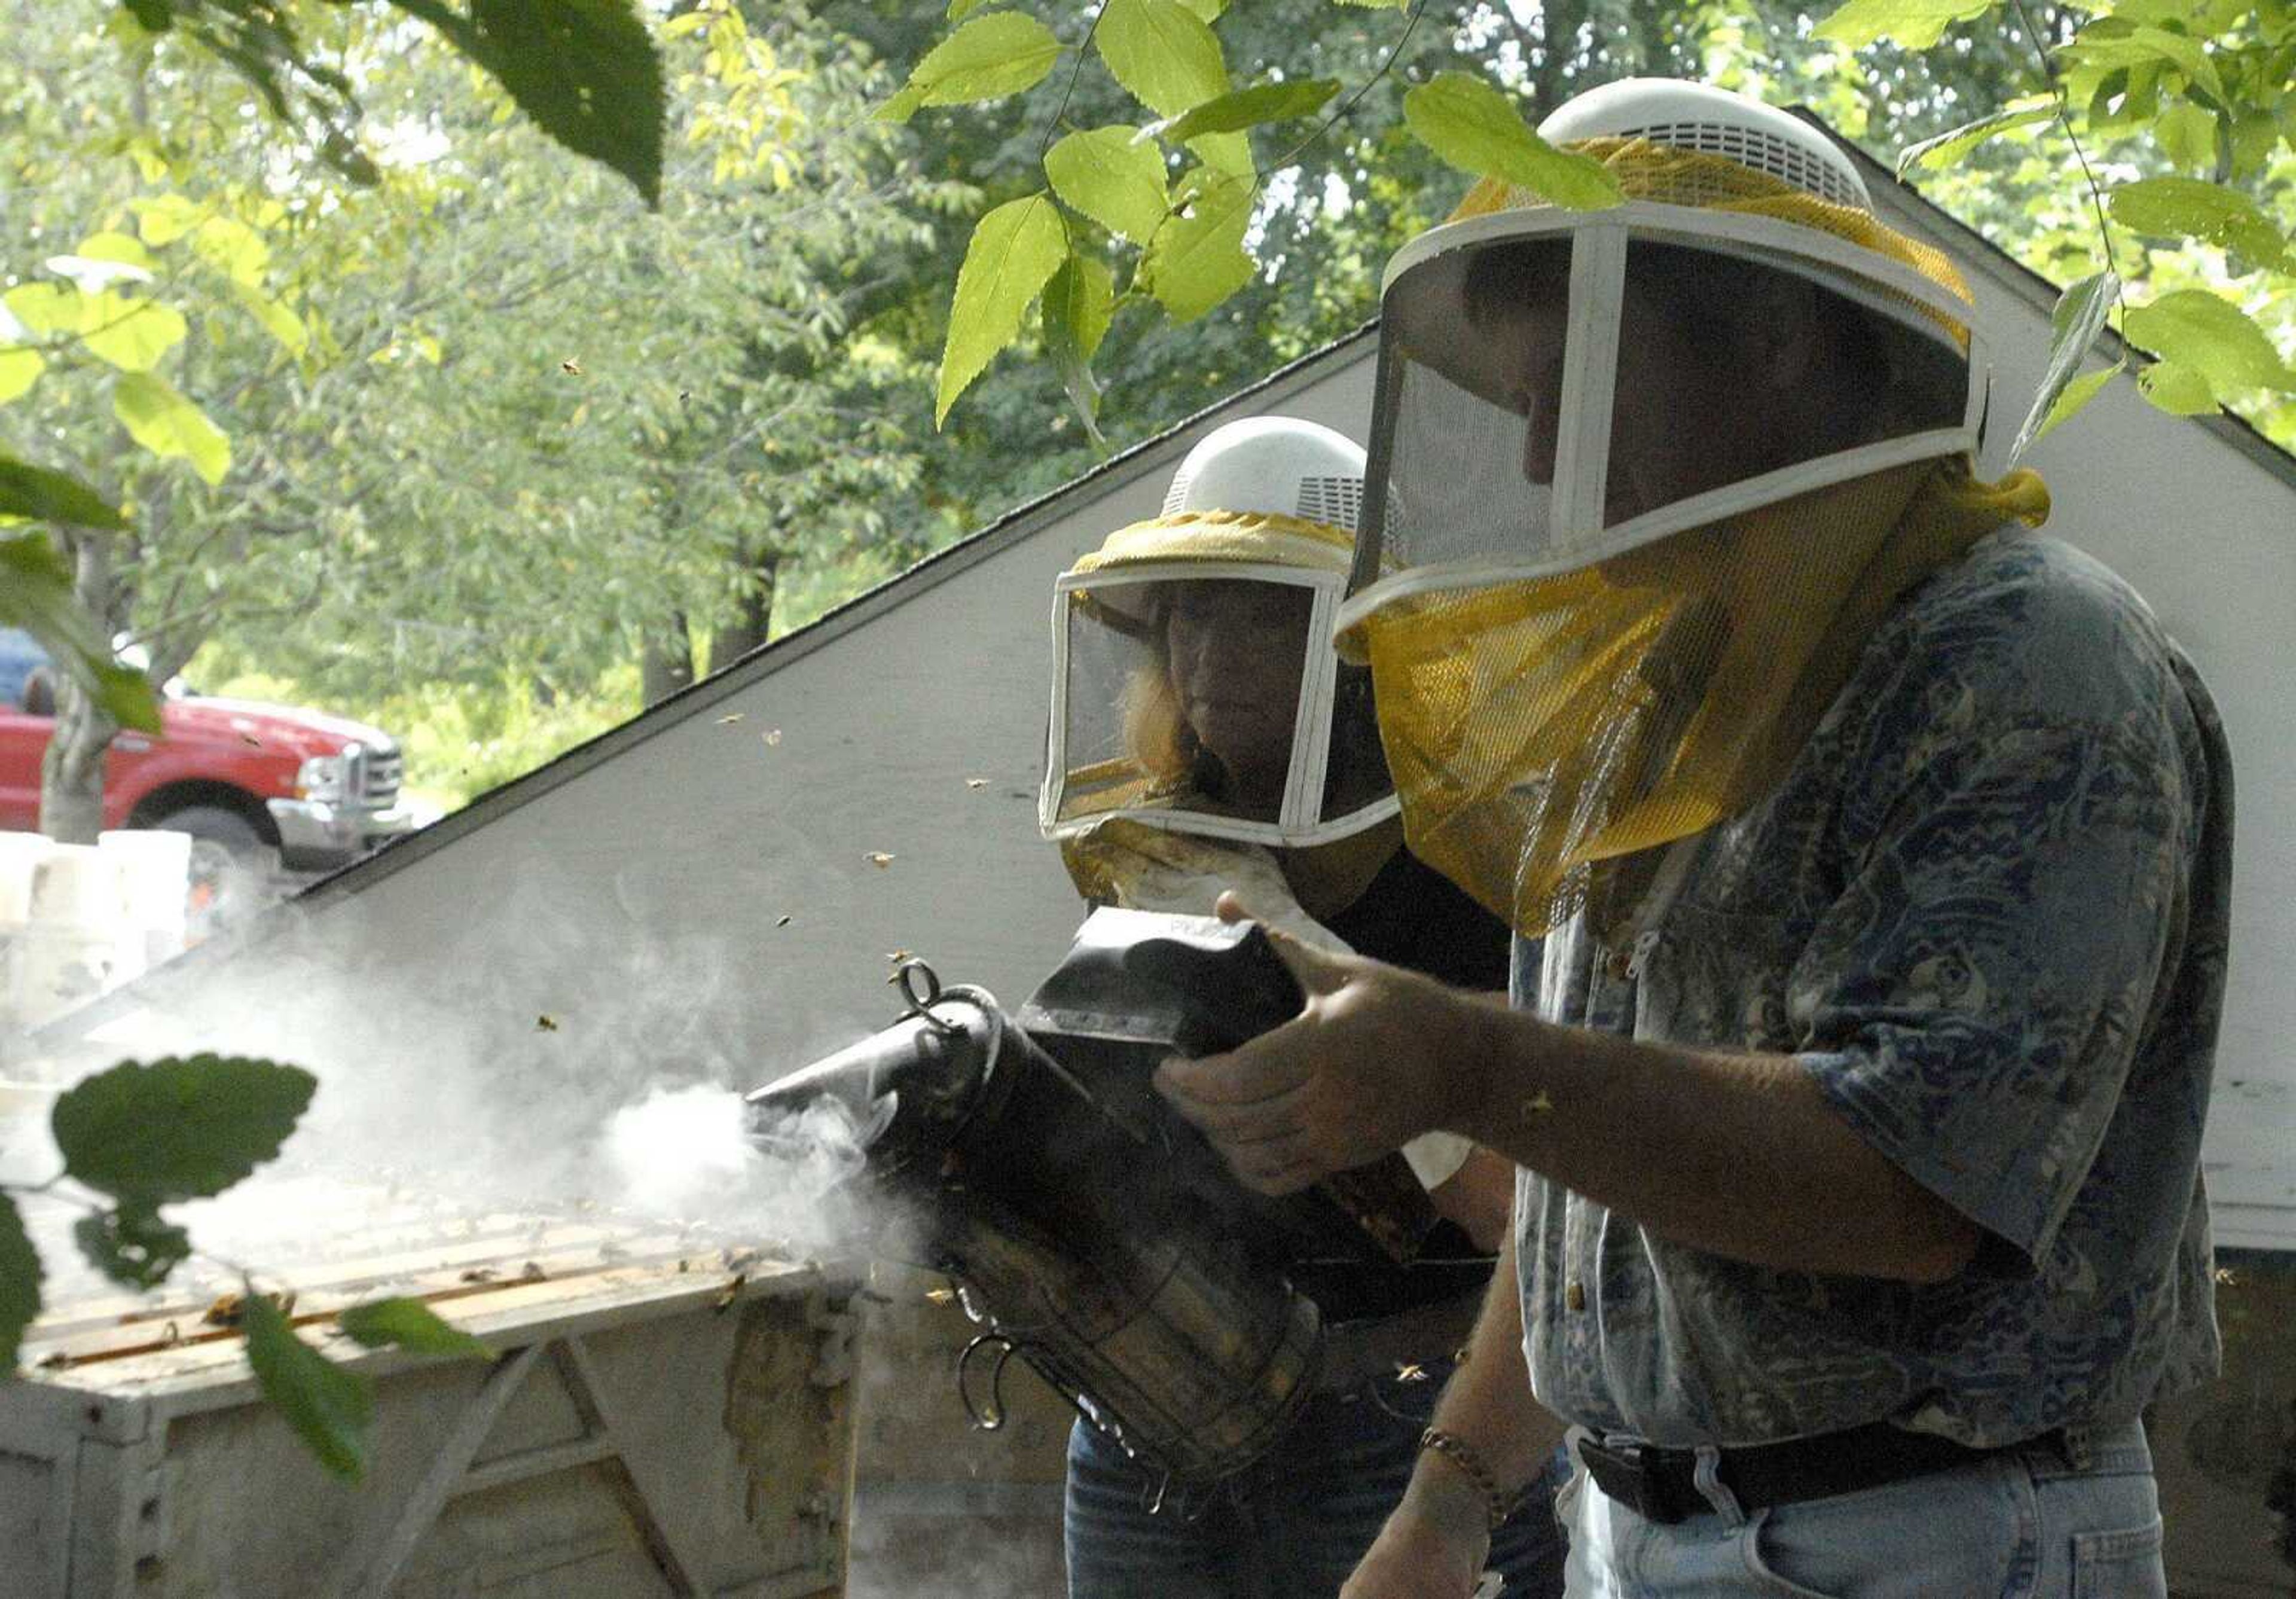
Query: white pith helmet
{"points": [[1697, 116], [1277, 465]]}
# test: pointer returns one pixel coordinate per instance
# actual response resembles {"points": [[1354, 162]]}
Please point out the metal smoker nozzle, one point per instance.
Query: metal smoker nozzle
{"points": [[903, 1092]]}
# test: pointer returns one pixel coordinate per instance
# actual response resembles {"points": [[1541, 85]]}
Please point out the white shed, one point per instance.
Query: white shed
{"points": [[760, 843]]}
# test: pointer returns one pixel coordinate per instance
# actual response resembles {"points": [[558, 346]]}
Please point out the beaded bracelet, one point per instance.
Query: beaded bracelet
{"points": [[1457, 1451]]}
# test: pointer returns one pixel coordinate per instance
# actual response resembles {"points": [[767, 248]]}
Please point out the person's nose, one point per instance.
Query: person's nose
{"points": [[1195, 655]]}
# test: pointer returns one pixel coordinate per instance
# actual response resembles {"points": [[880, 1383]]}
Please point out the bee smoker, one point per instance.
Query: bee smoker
{"points": [[1094, 1232]]}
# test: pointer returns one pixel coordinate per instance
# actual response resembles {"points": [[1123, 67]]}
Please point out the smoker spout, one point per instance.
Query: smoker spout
{"points": [[906, 1091]]}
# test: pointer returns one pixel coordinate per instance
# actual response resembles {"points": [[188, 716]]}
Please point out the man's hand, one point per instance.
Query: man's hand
{"points": [[1432, 1547], [1377, 1056]]}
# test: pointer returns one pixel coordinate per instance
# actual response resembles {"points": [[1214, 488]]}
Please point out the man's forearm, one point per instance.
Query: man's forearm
{"points": [[1740, 1155]]}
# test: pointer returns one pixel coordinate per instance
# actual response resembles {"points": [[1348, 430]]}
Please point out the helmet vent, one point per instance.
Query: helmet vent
{"points": [[1759, 149], [1175, 497], [1336, 502]]}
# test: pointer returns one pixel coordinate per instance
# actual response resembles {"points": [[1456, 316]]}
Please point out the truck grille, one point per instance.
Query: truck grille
{"points": [[373, 780]]}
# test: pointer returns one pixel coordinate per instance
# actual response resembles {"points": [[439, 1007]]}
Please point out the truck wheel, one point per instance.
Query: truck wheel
{"points": [[232, 867]]}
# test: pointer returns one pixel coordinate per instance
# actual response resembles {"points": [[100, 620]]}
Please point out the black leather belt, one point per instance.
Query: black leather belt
{"points": [[1660, 1485]]}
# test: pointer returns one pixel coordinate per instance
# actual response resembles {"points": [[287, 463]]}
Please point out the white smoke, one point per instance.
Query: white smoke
{"points": [[689, 1153], [572, 1044]]}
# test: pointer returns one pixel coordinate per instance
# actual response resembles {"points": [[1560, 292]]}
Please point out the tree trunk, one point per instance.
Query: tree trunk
{"points": [[753, 622], [1559, 24], [665, 663], [71, 772]]}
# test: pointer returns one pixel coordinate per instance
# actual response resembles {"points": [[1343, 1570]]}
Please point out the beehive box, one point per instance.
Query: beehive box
{"points": [[942, 1508], [663, 1417]]}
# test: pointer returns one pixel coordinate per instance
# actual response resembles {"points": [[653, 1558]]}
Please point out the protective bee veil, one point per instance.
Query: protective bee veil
{"points": [[1642, 480], [1195, 687]]}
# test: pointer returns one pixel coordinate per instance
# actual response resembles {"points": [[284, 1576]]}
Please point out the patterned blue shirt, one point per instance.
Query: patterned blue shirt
{"points": [[1986, 910]]}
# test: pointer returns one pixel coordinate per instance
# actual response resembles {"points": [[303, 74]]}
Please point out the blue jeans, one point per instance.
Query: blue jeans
{"points": [[1295, 1524], [2022, 1524]]}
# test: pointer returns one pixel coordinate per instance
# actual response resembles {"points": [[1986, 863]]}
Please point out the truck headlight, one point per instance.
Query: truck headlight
{"points": [[321, 778]]}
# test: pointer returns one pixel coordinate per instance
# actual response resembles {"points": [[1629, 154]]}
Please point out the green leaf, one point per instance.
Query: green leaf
{"points": [[1240, 108], [48, 307], [2074, 324], [177, 1128], [1112, 179], [233, 249], [411, 1325], [19, 369], [110, 246], [1914, 24], [2255, 134], [987, 59], [19, 1283], [2075, 396], [1196, 260], [2179, 390], [131, 1245], [1228, 153], [36, 594], [166, 424], [330, 1408], [1077, 307], [2187, 208], [2102, 48], [1473, 127], [958, 10], [586, 70], [2187, 135], [2207, 334], [1950, 148], [277, 320], [1163, 54], [51, 496], [1013, 253], [132, 334]]}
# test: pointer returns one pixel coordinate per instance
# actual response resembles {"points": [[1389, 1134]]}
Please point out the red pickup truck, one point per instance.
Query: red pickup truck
{"points": [[318, 789]]}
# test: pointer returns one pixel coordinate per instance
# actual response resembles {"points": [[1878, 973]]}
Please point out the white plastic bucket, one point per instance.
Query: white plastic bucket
{"points": [[56, 968], [76, 887], [20, 855], [155, 873]]}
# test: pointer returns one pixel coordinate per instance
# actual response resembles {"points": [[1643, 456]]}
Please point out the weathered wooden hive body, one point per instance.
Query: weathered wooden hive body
{"points": [[664, 1415]]}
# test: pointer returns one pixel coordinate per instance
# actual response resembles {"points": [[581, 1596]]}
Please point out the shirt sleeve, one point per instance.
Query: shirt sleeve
{"points": [[1971, 1001]]}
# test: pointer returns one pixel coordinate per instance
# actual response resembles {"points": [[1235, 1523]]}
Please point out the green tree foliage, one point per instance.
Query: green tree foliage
{"points": [[2125, 95], [486, 420], [2208, 85], [586, 70], [599, 434], [1336, 192]]}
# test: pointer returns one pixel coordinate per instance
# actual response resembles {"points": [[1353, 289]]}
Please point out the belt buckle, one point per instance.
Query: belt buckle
{"points": [[1624, 1471]]}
